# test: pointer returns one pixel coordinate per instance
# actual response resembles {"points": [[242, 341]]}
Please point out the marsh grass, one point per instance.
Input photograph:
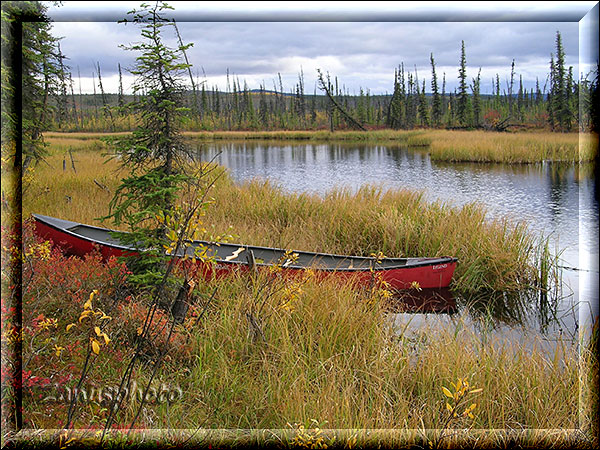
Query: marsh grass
{"points": [[412, 138], [416, 137], [330, 355], [72, 193], [333, 360], [288, 438], [524, 147], [54, 137], [494, 254], [330, 359], [443, 145]]}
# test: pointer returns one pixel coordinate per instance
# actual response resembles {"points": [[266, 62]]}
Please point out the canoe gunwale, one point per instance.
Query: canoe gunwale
{"points": [[434, 261], [80, 236]]}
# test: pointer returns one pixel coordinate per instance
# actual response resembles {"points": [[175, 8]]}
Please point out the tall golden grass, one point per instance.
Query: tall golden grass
{"points": [[443, 145], [493, 254], [415, 138], [524, 147], [330, 355], [55, 188]]}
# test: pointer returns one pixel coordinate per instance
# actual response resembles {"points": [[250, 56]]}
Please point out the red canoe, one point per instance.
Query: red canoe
{"points": [[401, 273]]}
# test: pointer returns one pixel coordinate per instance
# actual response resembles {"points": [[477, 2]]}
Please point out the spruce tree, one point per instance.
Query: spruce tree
{"points": [[28, 76], [203, 102], [26, 90], [510, 88], [444, 103], [571, 96], [154, 153], [594, 102], [560, 95], [61, 95], [497, 98], [361, 109], [520, 99], [395, 115], [120, 99], [463, 97], [411, 110], [263, 115], [436, 106], [552, 95], [423, 109], [476, 88]]}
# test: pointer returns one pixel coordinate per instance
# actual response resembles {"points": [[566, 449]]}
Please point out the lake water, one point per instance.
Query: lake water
{"points": [[556, 200]]}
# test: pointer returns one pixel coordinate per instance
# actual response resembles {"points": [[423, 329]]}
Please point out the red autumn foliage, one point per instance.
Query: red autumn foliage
{"points": [[54, 290]]}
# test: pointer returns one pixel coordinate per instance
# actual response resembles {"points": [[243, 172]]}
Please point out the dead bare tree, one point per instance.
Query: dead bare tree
{"points": [[326, 87]]}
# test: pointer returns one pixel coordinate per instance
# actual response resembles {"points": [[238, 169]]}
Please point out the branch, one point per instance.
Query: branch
{"points": [[347, 116]]}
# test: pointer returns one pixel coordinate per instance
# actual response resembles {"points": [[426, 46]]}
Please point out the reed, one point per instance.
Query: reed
{"points": [[512, 148], [55, 188], [405, 137], [52, 136], [443, 145], [330, 358], [330, 355], [493, 254], [409, 137]]}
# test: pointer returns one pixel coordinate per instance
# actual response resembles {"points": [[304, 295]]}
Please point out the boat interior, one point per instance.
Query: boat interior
{"points": [[235, 253]]}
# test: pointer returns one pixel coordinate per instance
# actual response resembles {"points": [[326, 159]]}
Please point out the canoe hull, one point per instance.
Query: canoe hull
{"points": [[437, 274], [425, 277], [73, 245]]}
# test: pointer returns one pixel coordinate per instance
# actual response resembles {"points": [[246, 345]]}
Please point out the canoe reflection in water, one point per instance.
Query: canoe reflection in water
{"points": [[435, 301]]}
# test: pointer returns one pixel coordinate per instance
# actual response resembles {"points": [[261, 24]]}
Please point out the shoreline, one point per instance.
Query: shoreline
{"points": [[523, 147]]}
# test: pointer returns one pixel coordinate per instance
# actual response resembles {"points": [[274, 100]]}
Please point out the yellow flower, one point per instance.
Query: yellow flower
{"points": [[48, 323]]}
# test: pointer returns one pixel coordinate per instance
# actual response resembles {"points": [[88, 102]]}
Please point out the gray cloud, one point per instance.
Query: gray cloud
{"points": [[360, 54]]}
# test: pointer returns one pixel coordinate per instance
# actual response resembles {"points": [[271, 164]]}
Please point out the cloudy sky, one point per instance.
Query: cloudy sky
{"points": [[361, 45]]}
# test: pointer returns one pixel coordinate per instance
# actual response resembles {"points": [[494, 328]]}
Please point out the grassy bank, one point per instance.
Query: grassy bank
{"points": [[335, 363], [443, 145], [325, 357], [495, 255], [410, 138], [316, 355], [484, 146], [414, 138]]}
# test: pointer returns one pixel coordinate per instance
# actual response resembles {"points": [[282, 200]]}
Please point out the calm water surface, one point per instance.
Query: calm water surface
{"points": [[556, 200]]}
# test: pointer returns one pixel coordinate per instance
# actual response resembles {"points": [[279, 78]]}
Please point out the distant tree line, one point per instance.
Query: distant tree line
{"points": [[560, 103], [413, 103]]}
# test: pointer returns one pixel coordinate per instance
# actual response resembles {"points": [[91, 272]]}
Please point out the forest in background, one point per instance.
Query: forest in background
{"points": [[559, 103], [52, 99]]}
